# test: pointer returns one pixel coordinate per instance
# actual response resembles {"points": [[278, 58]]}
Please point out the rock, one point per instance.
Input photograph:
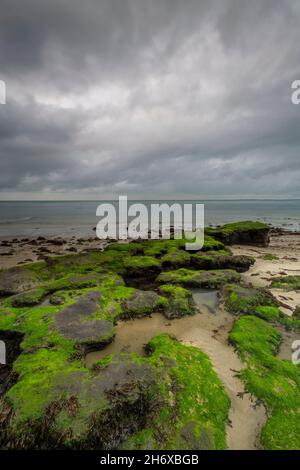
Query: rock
{"points": [[180, 301], [72, 249], [17, 279], [58, 298], [218, 261], [89, 410], [195, 437], [57, 241], [44, 249], [81, 281], [242, 233], [7, 253], [141, 270], [243, 300], [176, 259], [28, 298], [288, 283], [206, 279], [296, 313], [74, 323], [5, 243], [12, 340], [141, 303]]}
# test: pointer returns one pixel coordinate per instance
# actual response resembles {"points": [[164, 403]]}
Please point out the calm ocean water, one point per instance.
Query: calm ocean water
{"points": [[79, 217]]}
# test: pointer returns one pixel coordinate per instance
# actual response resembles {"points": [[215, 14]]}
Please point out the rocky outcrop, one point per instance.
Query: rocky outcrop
{"points": [[220, 261], [141, 303], [86, 410], [244, 299], [242, 233], [28, 298], [76, 323], [64, 307], [205, 279], [141, 271], [180, 301], [16, 280]]}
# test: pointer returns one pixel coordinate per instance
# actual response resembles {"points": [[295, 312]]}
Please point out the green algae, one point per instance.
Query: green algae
{"points": [[176, 259], [206, 279], [274, 382], [180, 301], [269, 257], [195, 407], [189, 402], [240, 299], [287, 283]]}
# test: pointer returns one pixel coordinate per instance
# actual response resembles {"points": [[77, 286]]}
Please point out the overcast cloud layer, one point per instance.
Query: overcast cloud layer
{"points": [[150, 98]]}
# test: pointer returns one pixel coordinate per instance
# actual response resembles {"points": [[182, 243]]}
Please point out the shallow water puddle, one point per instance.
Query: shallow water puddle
{"points": [[206, 300], [133, 335]]}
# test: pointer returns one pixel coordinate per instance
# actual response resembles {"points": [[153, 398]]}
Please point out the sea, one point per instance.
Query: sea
{"points": [[78, 218]]}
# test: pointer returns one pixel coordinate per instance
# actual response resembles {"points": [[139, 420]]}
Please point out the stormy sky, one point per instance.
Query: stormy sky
{"points": [[149, 98]]}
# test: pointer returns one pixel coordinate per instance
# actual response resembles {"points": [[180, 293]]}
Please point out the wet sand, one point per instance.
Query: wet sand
{"points": [[14, 251], [286, 248]]}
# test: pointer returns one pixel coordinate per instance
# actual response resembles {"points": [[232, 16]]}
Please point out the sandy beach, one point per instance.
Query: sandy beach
{"points": [[19, 251], [284, 248]]}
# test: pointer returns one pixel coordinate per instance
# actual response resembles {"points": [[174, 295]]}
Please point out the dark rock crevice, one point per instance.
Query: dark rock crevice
{"points": [[12, 341]]}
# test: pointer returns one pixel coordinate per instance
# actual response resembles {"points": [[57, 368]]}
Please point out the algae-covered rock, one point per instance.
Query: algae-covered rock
{"points": [[221, 261], [287, 283], [176, 259], [80, 281], [28, 298], [193, 409], [274, 382], [84, 409], [195, 437], [76, 322], [18, 279], [205, 279], [242, 233], [296, 313], [141, 270], [180, 301], [142, 303], [241, 299], [171, 399], [58, 297]]}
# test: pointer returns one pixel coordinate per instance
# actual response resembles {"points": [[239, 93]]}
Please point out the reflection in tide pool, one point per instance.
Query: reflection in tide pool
{"points": [[132, 335]]}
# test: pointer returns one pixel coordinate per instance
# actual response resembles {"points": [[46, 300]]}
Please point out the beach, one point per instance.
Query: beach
{"points": [[280, 258], [223, 287]]}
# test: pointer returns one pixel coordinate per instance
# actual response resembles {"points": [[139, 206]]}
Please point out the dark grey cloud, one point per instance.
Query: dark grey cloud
{"points": [[149, 98]]}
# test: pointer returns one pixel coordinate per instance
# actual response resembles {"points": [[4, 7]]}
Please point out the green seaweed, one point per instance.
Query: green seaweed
{"points": [[205, 279], [195, 406], [274, 382], [287, 283]]}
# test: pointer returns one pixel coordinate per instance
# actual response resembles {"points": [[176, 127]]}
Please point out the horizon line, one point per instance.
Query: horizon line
{"points": [[148, 199]]}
